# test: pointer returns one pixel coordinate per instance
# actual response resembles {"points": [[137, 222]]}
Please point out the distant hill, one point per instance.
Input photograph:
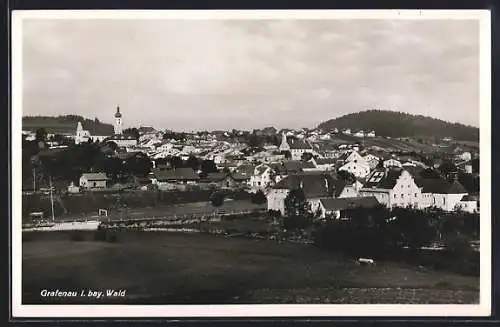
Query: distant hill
{"points": [[66, 124], [398, 124]]}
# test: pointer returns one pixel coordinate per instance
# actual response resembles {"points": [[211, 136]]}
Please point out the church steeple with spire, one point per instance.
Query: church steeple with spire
{"points": [[118, 121], [284, 143]]}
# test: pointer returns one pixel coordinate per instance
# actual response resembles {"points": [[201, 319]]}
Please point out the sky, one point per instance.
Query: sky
{"points": [[246, 74]]}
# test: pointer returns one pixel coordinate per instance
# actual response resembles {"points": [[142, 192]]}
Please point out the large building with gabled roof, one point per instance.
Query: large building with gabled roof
{"points": [[393, 188]]}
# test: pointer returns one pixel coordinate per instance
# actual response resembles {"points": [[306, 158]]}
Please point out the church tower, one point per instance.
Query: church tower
{"points": [[118, 122], [284, 143]]}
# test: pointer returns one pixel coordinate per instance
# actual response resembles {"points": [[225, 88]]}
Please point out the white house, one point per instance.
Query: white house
{"points": [[359, 169], [315, 187], [347, 190], [84, 135], [299, 147], [325, 137], [262, 177], [393, 187], [324, 164], [90, 181], [347, 131], [468, 204], [360, 133], [441, 194], [392, 163], [370, 134], [352, 155], [371, 160], [465, 156]]}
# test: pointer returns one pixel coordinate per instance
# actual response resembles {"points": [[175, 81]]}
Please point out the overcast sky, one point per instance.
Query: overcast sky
{"points": [[222, 74]]}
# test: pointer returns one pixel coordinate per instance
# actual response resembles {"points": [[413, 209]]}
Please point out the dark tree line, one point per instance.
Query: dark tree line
{"points": [[399, 124], [73, 161]]}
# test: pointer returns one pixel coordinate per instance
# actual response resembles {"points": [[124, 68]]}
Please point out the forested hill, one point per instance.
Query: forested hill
{"points": [[398, 124], [66, 124]]}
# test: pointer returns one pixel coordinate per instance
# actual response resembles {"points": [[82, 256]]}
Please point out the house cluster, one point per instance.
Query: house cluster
{"points": [[387, 186], [356, 133], [304, 158]]}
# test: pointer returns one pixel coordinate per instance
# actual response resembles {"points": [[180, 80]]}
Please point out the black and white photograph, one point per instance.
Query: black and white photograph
{"points": [[251, 163]]}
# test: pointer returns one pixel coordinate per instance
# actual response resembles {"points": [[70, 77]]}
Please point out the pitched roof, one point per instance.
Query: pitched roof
{"points": [[120, 137], [278, 167], [131, 154], [292, 166], [384, 179], [176, 174], [308, 164], [300, 145], [261, 169], [325, 161], [97, 129], [348, 203], [95, 176], [439, 186], [219, 176], [245, 169], [314, 185], [239, 176]]}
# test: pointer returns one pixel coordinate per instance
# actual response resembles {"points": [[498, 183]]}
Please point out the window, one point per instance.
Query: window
{"points": [[415, 194], [402, 196], [395, 195]]}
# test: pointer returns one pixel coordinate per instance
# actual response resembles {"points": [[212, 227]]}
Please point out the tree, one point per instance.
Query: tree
{"points": [[254, 141], [346, 176], [176, 162], [414, 226], [138, 165], [259, 197], [298, 213], [208, 166], [447, 167], [306, 156], [192, 162], [134, 132], [288, 154], [217, 199], [430, 173], [41, 134]]}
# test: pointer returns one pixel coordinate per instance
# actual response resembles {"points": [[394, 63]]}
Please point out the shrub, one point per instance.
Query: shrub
{"points": [[259, 197], [217, 199], [458, 246]]}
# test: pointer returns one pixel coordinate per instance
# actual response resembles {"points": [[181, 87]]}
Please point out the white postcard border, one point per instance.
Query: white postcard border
{"points": [[128, 311]]}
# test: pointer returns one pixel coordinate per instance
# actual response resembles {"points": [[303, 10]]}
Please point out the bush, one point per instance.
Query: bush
{"points": [[217, 199], [458, 246], [259, 197]]}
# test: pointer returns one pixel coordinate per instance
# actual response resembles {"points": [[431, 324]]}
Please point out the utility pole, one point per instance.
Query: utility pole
{"points": [[34, 180], [51, 197]]}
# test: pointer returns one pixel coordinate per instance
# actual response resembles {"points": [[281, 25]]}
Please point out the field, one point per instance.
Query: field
{"points": [[170, 268], [179, 210]]}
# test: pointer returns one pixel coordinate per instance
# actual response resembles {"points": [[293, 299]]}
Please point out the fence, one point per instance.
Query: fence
{"points": [[183, 219]]}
